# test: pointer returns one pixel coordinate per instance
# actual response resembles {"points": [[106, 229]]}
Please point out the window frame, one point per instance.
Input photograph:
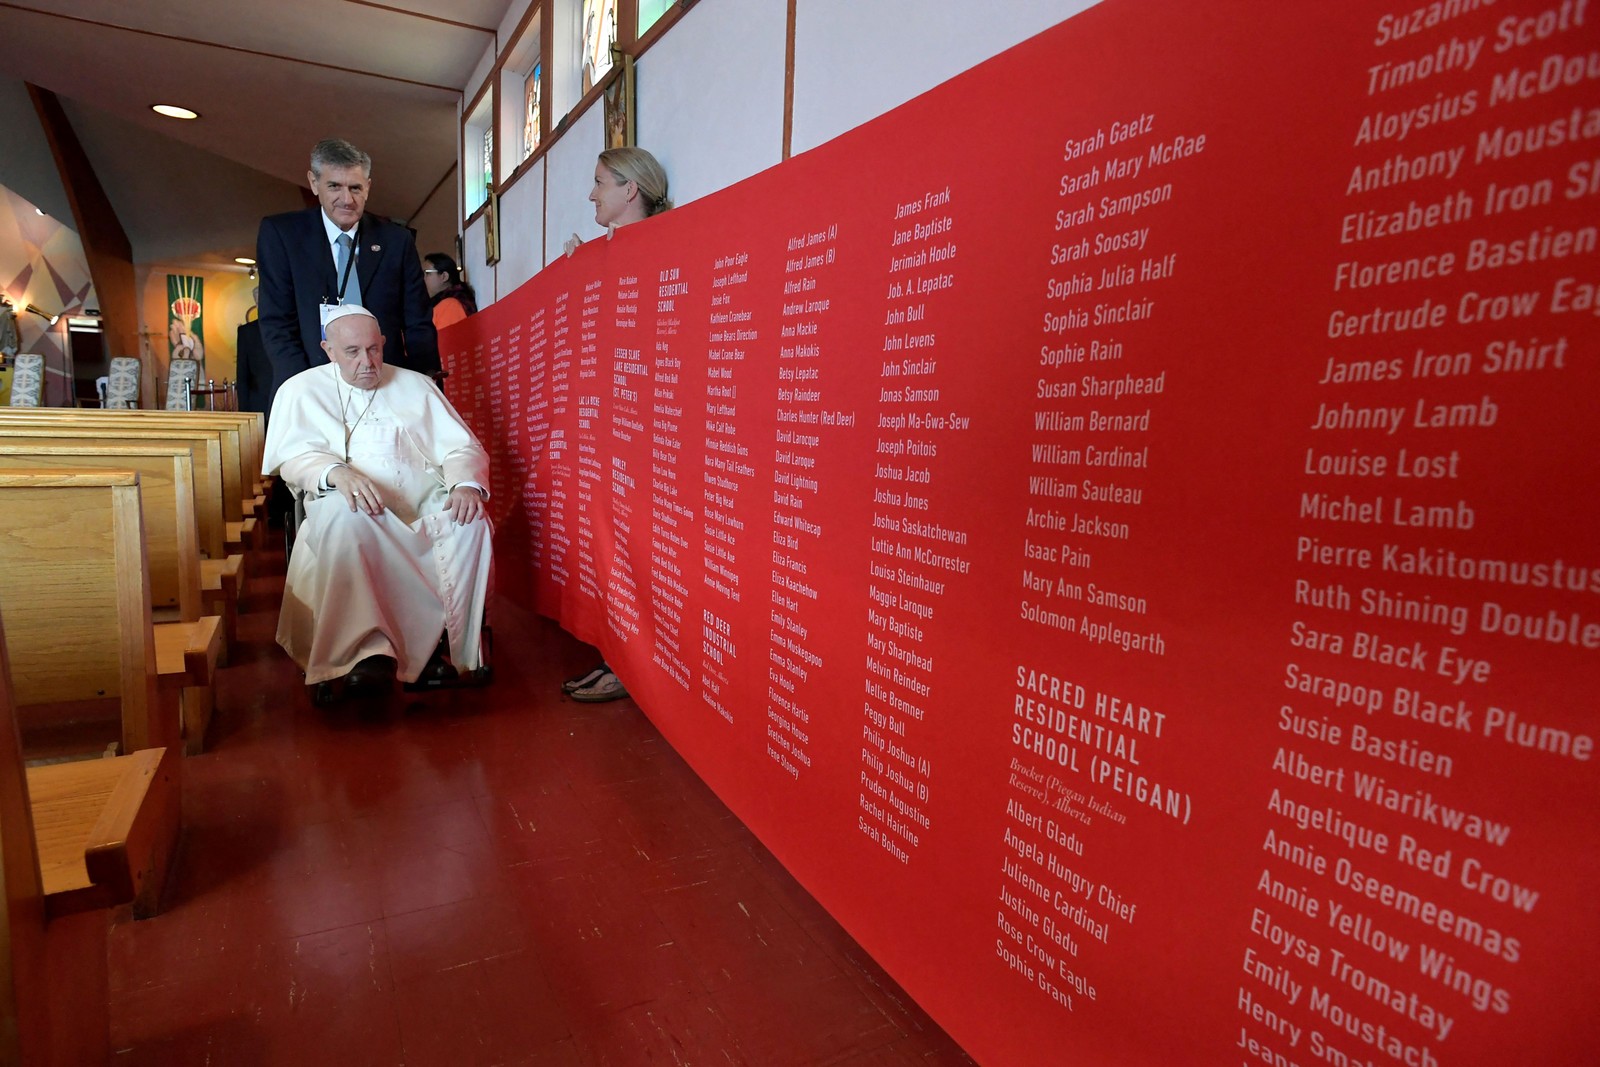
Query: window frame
{"points": [[629, 43]]}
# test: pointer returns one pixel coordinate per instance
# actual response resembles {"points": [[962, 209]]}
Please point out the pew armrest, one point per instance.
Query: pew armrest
{"points": [[220, 575], [221, 590], [238, 533], [106, 828], [186, 652]]}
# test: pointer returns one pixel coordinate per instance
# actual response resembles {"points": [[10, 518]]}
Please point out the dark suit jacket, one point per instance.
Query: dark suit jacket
{"points": [[296, 273], [255, 370]]}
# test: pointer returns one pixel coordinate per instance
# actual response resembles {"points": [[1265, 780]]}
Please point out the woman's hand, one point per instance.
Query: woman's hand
{"points": [[572, 244]]}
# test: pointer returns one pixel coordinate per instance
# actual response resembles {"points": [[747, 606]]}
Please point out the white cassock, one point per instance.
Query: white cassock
{"points": [[360, 585]]}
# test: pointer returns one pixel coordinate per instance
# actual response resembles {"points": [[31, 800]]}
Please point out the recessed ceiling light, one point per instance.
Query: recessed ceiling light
{"points": [[244, 261], [173, 111], [38, 211]]}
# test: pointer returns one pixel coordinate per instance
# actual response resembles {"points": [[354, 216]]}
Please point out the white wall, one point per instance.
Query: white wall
{"points": [[853, 61], [485, 65], [710, 98], [571, 163], [479, 273], [438, 220], [565, 79], [513, 18], [521, 230]]}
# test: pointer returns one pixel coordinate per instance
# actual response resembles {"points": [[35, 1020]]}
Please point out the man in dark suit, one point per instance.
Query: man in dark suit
{"points": [[304, 260], [254, 370]]}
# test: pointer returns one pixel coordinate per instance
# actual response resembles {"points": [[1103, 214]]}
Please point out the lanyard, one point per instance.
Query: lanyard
{"points": [[355, 243]]}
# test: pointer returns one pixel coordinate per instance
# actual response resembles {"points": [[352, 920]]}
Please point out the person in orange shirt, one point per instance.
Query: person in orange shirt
{"points": [[452, 298]]}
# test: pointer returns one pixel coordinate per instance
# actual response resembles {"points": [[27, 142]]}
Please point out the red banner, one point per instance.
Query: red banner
{"points": [[1121, 527]]}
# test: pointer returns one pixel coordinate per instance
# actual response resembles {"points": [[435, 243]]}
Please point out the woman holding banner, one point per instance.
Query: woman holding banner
{"points": [[630, 185]]}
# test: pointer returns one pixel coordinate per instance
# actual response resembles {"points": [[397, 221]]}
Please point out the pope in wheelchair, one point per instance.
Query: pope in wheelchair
{"points": [[391, 568]]}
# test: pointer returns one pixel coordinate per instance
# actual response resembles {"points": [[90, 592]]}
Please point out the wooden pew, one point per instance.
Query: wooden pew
{"points": [[220, 579], [221, 573], [252, 427], [247, 426], [185, 657], [54, 999], [205, 449], [253, 445], [67, 855], [166, 487], [75, 595], [74, 600], [107, 830], [239, 527], [243, 435]]}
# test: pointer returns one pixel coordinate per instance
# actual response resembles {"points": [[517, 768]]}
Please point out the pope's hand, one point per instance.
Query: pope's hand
{"points": [[466, 505], [359, 491]]}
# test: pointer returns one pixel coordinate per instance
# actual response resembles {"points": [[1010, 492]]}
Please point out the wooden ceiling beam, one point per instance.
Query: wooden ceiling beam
{"points": [[105, 242]]}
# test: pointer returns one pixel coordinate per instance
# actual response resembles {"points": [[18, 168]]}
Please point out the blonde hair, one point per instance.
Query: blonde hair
{"points": [[635, 165]]}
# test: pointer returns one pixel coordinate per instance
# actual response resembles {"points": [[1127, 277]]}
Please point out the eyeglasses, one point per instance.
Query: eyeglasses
{"points": [[430, 270]]}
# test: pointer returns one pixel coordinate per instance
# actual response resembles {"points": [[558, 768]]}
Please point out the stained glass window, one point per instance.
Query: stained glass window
{"points": [[599, 33], [530, 110], [488, 157]]}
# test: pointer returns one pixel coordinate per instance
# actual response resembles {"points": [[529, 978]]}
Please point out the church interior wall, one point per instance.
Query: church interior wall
{"points": [[711, 102]]}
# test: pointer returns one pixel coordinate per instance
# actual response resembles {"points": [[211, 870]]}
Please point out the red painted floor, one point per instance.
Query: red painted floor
{"points": [[499, 876]]}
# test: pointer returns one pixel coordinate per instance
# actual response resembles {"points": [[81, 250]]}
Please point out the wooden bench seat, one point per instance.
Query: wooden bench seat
{"points": [[187, 654], [222, 594], [74, 596], [75, 840], [105, 829], [242, 534]]}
